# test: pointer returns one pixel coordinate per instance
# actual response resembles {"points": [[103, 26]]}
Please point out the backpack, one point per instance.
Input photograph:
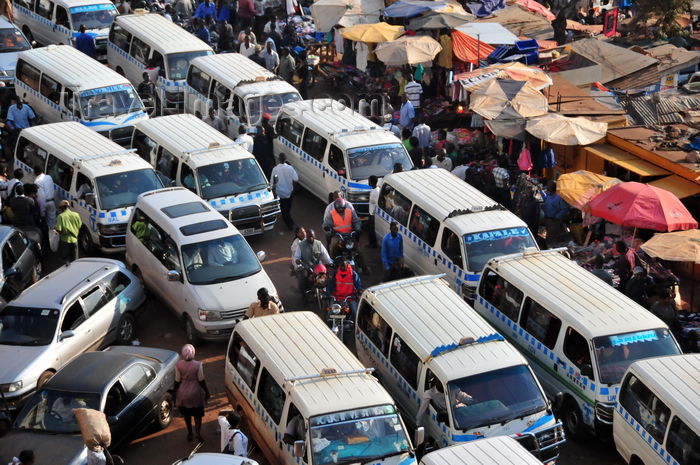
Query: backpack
{"points": [[228, 449]]}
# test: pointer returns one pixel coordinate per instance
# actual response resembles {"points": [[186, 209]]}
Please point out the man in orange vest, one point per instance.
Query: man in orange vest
{"points": [[341, 220], [345, 282]]}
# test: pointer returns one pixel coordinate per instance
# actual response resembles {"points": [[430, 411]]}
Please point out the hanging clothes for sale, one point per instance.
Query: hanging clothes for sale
{"points": [[445, 55], [524, 160], [361, 54], [477, 121]]}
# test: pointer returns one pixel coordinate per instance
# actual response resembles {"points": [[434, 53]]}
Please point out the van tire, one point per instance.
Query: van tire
{"points": [[120, 71], [573, 422], [126, 330], [85, 244], [28, 35], [191, 332]]}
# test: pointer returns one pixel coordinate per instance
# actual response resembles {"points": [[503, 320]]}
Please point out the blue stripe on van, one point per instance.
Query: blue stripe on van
{"points": [[658, 448]]}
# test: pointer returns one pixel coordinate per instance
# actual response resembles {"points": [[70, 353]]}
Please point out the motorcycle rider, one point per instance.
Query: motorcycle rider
{"points": [[345, 282], [339, 221], [310, 252]]}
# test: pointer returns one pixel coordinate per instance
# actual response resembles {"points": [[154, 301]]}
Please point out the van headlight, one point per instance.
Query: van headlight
{"points": [[209, 315], [109, 229], [11, 387]]}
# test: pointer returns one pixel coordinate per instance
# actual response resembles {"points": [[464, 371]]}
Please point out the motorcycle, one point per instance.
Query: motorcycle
{"points": [[338, 316], [317, 280], [349, 248]]}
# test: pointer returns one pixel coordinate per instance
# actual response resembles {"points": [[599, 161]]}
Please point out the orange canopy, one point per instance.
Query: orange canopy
{"points": [[466, 47]]}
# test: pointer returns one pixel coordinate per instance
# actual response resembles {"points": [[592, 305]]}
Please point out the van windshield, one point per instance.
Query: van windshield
{"points": [[617, 352], [231, 178], [109, 101], [179, 62], [219, 260], [121, 190], [11, 40], [483, 246], [357, 435], [378, 160], [495, 397], [271, 104], [93, 16]]}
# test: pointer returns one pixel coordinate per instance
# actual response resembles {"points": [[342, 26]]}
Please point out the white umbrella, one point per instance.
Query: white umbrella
{"points": [[328, 13], [559, 129], [508, 99], [407, 50]]}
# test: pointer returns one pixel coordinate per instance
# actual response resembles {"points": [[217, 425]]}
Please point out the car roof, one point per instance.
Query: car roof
{"points": [[93, 371], [6, 231], [60, 285], [6, 23]]}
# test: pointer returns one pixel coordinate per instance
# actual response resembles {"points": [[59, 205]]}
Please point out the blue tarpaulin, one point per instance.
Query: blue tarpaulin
{"points": [[486, 7], [408, 8]]}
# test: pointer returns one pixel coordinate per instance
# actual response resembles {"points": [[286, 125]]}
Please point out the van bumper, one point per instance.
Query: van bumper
{"points": [[543, 444]]}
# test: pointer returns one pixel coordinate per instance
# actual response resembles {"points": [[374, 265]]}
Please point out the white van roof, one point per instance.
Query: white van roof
{"points": [[72, 68], [95, 155], [678, 377], [75, 3], [153, 202], [158, 32], [297, 344], [498, 450], [346, 128], [433, 320], [190, 135], [586, 301]]}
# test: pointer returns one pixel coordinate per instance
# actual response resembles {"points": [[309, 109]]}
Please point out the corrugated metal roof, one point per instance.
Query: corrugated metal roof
{"points": [[521, 22], [616, 61]]}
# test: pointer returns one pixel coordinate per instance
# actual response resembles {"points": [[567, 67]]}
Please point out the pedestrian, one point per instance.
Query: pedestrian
{"points": [[406, 139], [391, 126], [19, 116], [422, 132], [233, 441], [191, 391], [206, 8], [398, 271], [392, 245], [417, 153], [442, 161], [24, 209], [272, 59], [257, 57], [304, 76], [501, 179], [598, 270], [263, 306], [555, 210], [214, 121], [45, 195], [246, 14], [85, 42], [68, 225], [665, 308], [624, 265], [300, 235], [287, 65], [16, 180], [245, 139], [247, 47], [262, 151], [413, 91], [275, 36], [26, 457], [247, 32], [407, 113], [636, 287], [373, 200], [287, 177], [530, 210]]}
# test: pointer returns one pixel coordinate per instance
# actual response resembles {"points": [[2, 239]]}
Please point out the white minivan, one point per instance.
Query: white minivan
{"points": [[499, 450], [307, 399], [58, 21], [195, 261], [657, 414], [334, 148], [421, 337], [61, 83], [448, 226], [240, 91], [579, 333], [135, 40], [99, 178], [187, 152]]}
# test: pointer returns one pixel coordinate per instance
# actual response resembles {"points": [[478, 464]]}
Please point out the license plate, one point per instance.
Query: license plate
{"points": [[247, 231]]}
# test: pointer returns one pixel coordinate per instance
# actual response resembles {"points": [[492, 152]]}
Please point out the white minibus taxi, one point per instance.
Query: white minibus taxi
{"points": [[579, 333], [448, 226], [657, 414], [334, 148], [195, 261], [187, 152], [61, 83], [421, 337], [239, 89], [100, 178], [135, 40], [58, 21], [499, 450], [307, 399]]}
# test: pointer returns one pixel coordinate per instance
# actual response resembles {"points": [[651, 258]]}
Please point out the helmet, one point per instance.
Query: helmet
{"points": [[320, 269], [339, 203]]}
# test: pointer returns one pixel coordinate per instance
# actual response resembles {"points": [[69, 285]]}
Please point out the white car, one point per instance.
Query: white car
{"points": [[84, 306], [212, 458], [12, 41]]}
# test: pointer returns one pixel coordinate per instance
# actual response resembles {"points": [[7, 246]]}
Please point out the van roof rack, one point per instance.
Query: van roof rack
{"points": [[476, 209], [79, 160], [329, 372], [465, 341], [210, 147]]}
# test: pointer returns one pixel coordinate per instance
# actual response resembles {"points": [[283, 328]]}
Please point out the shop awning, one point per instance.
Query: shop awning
{"points": [[626, 160], [678, 186]]}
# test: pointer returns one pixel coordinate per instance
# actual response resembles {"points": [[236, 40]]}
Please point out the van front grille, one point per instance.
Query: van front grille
{"points": [[232, 314], [604, 412]]}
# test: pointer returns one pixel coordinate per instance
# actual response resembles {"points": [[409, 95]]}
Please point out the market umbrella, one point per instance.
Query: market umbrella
{"points": [[579, 187], [468, 49], [642, 206], [472, 80], [408, 8], [328, 13], [508, 128], [439, 20], [372, 33], [677, 246], [407, 50], [560, 129], [508, 99]]}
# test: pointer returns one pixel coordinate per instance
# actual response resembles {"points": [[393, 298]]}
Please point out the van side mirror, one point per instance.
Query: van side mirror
{"points": [[587, 370], [442, 417], [173, 275], [261, 256], [11, 272], [66, 335], [420, 435], [558, 400], [298, 448], [90, 199]]}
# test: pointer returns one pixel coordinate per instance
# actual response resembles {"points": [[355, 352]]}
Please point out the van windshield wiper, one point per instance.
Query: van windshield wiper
{"points": [[385, 456]]}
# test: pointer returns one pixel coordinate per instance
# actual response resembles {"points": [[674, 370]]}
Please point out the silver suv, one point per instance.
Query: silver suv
{"points": [[84, 306]]}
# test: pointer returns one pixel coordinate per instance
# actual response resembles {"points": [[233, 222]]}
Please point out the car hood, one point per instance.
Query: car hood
{"points": [[48, 448], [233, 295], [8, 61], [16, 359]]}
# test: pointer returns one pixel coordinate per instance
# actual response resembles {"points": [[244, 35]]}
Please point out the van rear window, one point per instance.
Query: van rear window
{"points": [[206, 226], [184, 209]]}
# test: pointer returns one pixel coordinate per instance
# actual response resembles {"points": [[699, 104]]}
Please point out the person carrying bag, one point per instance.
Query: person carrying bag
{"points": [[233, 441]]}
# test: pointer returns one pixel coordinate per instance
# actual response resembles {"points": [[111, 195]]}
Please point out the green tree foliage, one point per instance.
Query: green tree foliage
{"points": [[658, 17]]}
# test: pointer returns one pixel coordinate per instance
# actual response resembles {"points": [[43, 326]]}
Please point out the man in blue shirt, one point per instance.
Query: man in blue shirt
{"points": [[392, 246], [202, 32], [206, 8], [19, 116], [407, 114], [85, 42], [555, 210]]}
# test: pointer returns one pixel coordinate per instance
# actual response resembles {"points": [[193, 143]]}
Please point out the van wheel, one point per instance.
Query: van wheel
{"points": [[574, 423], [45, 376], [192, 336], [126, 329], [87, 247], [28, 35], [120, 71], [165, 411]]}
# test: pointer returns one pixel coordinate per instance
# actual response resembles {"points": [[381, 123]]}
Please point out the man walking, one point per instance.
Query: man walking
{"points": [[68, 227], [214, 121], [85, 43], [407, 114], [392, 246], [47, 207], [284, 188]]}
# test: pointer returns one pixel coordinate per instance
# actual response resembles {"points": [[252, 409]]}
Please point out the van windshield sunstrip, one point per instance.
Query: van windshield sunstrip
{"points": [[482, 247], [93, 16], [109, 101], [378, 160]]}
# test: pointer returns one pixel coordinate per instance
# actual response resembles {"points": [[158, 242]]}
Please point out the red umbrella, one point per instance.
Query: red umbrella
{"points": [[642, 206]]}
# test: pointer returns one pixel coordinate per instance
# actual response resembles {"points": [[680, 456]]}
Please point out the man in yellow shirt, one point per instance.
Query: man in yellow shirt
{"points": [[68, 225]]}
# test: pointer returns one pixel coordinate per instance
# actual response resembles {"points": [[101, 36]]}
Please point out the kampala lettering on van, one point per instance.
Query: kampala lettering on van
{"points": [[495, 235]]}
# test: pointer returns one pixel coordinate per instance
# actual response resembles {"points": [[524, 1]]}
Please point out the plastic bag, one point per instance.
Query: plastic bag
{"points": [[54, 239], [94, 428]]}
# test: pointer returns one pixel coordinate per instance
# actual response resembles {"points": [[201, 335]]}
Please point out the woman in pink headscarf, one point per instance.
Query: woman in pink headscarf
{"points": [[191, 391]]}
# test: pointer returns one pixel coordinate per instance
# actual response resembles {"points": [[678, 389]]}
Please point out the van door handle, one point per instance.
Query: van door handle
{"points": [[556, 365], [438, 259]]}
